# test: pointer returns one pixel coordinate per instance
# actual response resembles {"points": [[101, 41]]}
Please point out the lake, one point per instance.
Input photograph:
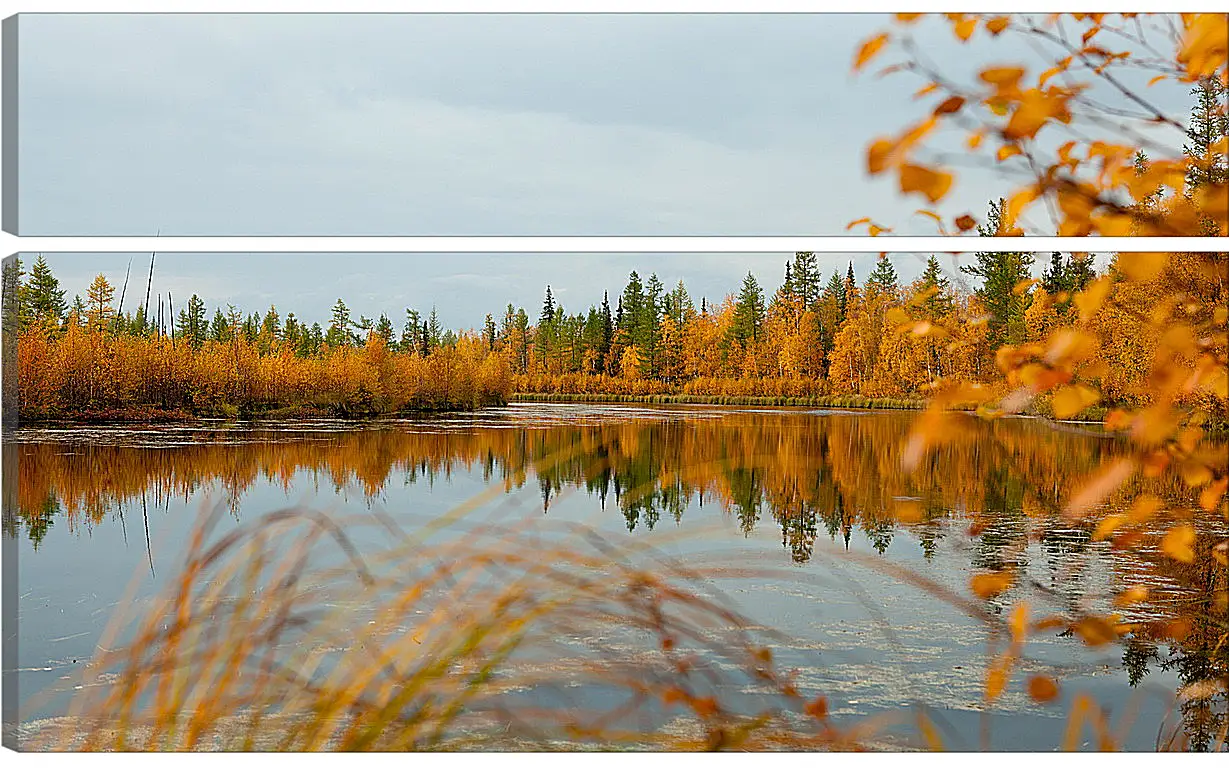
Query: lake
{"points": [[795, 517]]}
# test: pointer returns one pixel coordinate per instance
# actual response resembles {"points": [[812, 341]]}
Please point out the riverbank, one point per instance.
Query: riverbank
{"points": [[845, 401]]}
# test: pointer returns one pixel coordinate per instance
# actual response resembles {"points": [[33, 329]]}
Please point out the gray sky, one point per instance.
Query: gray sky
{"points": [[467, 124], [463, 286]]}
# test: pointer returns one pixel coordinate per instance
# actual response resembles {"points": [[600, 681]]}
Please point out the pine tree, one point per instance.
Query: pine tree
{"points": [[748, 312], [44, 298], [490, 333], [435, 328], [193, 326], [1000, 274], [882, 279], [339, 329], [410, 333], [939, 301], [607, 331], [219, 330], [806, 279], [1209, 124], [384, 330]]}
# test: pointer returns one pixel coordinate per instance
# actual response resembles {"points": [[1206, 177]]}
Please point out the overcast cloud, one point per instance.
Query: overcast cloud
{"points": [[465, 124]]}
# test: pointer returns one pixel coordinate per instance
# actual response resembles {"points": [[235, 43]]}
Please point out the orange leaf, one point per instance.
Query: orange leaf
{"points": [[1156, 80], [933, 184], [950, 105], [1131, 596], [988, 585], [1095, 631], [1209, 498], [1069, 401], [1101, 486], [1042, 689], [996, 677], [997, 25], [1179, 543], [1006, 151], [1142, 267], [817, 709], [1089, 300], [868, 50], [965, 28], [1205, 44], [966, 222], [877, 155]]}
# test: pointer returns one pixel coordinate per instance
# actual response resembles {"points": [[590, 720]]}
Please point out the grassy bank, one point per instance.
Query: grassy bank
{"points": [[844, 401]]}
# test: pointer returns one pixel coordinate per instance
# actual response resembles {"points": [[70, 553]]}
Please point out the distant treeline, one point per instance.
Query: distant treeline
{"points": [[875, 342]]}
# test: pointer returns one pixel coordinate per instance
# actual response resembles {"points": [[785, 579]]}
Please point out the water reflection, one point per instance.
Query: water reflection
{"points": [[996, 485]]}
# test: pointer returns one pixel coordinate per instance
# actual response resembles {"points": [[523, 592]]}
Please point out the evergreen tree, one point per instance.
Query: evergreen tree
{"points": [[940, 301], [384, 330], [1209, 124], [410, 341], [490, 333], [882, 279], [607, 331], [434, 328], [1000, 274], [339, 329], [44, 299], [806, 279], [748, 312], [219, 330], [193, 325]]}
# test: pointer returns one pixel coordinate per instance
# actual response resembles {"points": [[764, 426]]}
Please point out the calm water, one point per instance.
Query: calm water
{"points": [[809, 492]]}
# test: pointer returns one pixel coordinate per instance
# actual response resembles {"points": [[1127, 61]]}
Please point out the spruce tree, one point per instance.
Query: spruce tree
{"points": [[1000, 273], [748, 312], [44, 298]]}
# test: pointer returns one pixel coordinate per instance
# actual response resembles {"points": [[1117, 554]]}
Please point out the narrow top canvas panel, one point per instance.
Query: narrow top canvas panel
{"points": [[612, 124]]}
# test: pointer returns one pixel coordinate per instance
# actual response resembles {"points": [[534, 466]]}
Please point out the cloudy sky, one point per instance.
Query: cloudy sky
{"points": [[464, 287], [467, 124]]}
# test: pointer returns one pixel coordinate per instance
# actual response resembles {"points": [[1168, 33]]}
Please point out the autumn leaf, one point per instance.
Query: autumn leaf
{"points": [[965, 223], [1042, 689], [1006, 151], [868, 50], [997, 675], [988, 585], [965, 28], [997, 25], [1179, 542], [1108, 480], [1131, 596], [1205, 44], [1069, 401], [933, 184], [877, 155], [1142, 267], [1095, 631], [1089, 300], [949, 105]]}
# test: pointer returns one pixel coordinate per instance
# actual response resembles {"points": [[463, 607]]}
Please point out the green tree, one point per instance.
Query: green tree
{"points": [[1000, 274], [748, 312], [193, 325], [44, 299], [339, 329], [882, 280]]}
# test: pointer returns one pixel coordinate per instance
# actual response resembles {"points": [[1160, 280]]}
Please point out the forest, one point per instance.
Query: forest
{"points": [[837, 340]]}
